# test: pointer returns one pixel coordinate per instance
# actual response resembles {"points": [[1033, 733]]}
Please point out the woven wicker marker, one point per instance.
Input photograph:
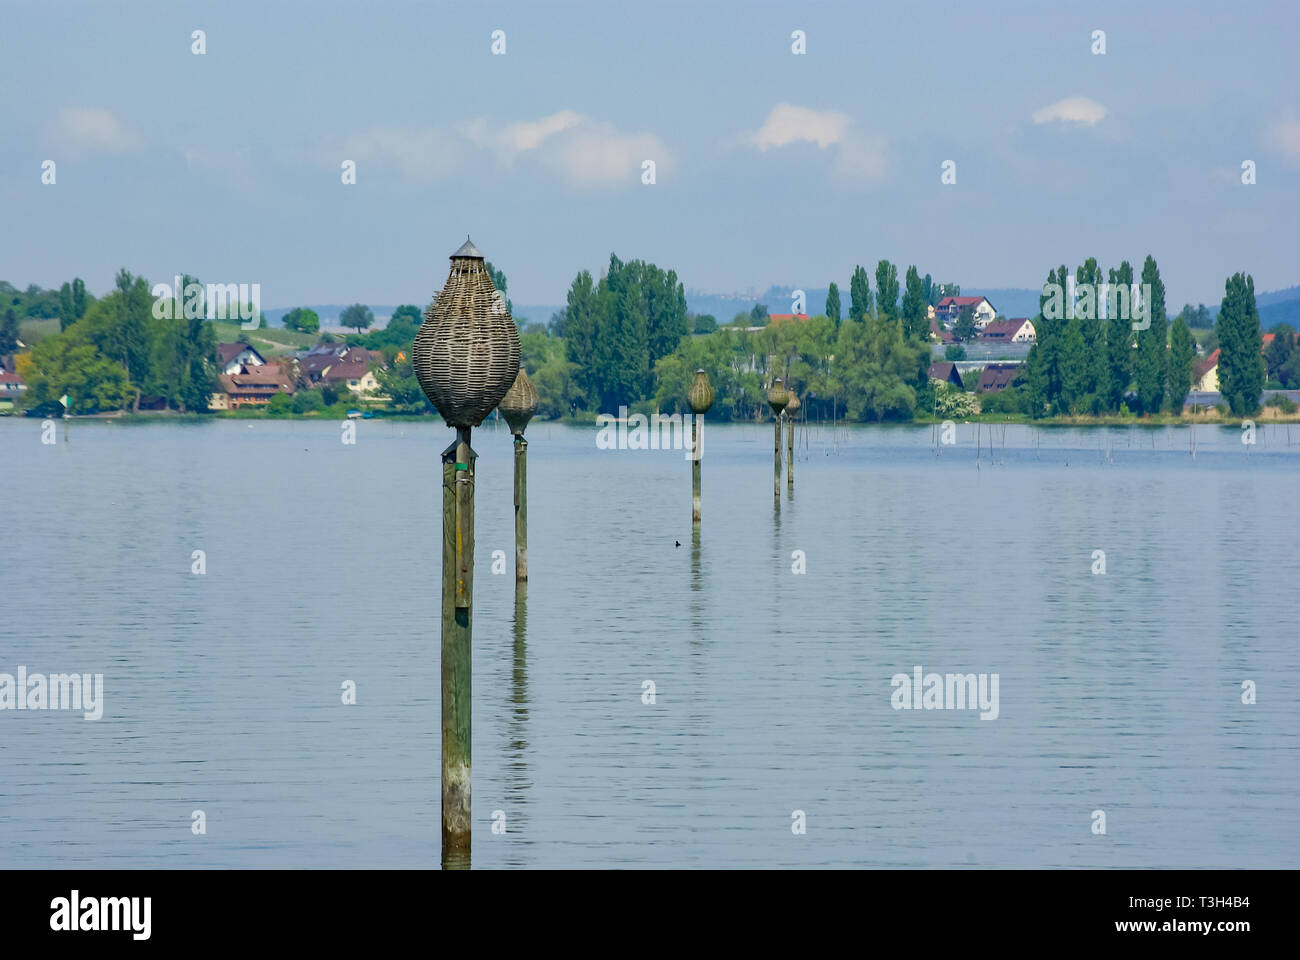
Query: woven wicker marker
{"points": [[466, 356], [700, 398], [791, 409], [777, 397], [518, 407]]}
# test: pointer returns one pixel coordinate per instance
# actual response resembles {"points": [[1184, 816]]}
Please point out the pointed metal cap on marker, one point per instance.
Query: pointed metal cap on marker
{"points": [[467, 249]]}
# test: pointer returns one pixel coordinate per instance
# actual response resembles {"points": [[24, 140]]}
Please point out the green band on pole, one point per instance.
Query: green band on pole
{"points": [[462, 466]]}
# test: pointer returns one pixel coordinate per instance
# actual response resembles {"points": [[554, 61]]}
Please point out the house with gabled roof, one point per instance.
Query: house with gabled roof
{"points": [[1017, 330], [232, 357], [949, 309], [946, 372], [996, 377]]}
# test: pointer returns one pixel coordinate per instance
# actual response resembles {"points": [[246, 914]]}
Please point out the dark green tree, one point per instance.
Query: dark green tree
{"points": [[704, 323], [914, 312], [859, 295], [964, 327], [580, 321], [833, 303], [80, 299], [67, 308], [1182, 350], [887, 290], [1241, 362], [1152, 353], [9, 331], [358, 315], [302, 319], [1119, 337]]}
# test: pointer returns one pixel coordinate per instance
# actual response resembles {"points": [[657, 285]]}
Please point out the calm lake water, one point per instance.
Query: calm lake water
{"points": [[1119, 692]]}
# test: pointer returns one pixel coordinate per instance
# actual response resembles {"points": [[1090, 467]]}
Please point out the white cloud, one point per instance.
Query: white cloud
{"points": [[1076, 110], [597, 155], [1285, 136], [422, 155], [583, 152], [92, 130], [529, 136], [788, 124]]}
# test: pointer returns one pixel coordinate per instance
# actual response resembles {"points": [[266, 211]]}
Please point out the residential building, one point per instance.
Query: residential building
{"points": [[233, 357], [1018, 330], [996, 377], [251, 386], [949, 309], [1205, 374], [11, 388], [946, 373]]}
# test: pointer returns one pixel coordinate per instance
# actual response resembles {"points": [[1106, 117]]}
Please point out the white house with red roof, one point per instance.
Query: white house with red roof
{"points": [[1015, 330], [949, 309]]}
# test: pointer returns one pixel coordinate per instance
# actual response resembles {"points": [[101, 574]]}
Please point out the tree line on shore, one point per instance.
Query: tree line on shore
{"points": [[625, 339]]}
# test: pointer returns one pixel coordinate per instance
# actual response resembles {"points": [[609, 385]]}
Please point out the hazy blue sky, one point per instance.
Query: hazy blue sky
{"points": [[771, 167]]}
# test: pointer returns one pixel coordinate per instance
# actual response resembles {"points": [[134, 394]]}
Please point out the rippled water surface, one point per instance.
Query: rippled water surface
{"points": [[1119, 692]]}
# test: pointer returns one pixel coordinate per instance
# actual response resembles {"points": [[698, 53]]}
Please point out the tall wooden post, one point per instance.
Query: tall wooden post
{"points": [[791, 408], [696, 424], [518, 406], [457, 624], [521, 509], [699, 397], [776, 463], [466, 355], [777, 397]]}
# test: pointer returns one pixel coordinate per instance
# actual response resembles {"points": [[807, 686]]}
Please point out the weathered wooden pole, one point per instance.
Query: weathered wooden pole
{"points": [[699, 397], [791, 408], [466, 356], [518, 407], [776, 398]]}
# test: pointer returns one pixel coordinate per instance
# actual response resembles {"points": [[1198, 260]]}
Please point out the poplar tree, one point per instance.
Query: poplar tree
{"points": [[833, 304], [1241, 364], [859, 295], [914, 324], [1040, 366], [1151, 352], [887, 290], [1181, 351], [1119, 337], [1096, 375]]}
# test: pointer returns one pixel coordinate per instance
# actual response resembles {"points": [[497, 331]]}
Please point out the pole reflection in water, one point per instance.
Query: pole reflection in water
{"points": [[518, 781]]}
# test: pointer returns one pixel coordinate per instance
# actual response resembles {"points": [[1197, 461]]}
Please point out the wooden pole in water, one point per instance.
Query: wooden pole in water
{"points": [[699, 397], [791, 409], [518, 406], [457, 623], [521, 509], [777, 397], [466, 357]]}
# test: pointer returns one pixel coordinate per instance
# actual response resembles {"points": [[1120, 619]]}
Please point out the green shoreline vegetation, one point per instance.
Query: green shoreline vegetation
{"points": [[627, 340]]}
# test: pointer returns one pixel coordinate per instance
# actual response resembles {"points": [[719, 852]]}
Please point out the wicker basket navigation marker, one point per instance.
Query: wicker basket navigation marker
{"points": [[777, 397], [466, 352], [700, 398], [518, 407], [466, 356]]}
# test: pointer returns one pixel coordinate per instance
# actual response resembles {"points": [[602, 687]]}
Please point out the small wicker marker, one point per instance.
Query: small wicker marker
{"points": [[466, 356], [791, 408], [777, 397], [700, 398], [518, 407]]}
